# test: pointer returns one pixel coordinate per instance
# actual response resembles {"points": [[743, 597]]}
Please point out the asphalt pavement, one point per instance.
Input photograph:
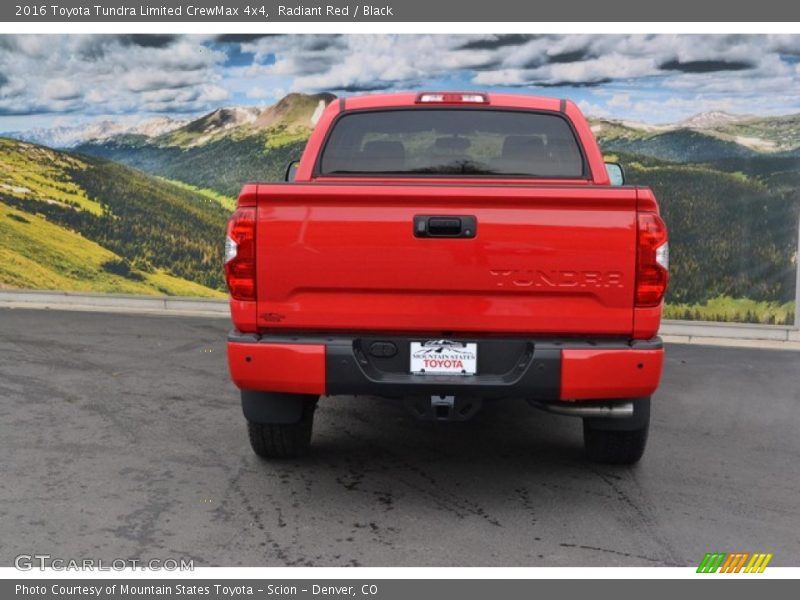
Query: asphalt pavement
{"points": [[122, 437]]}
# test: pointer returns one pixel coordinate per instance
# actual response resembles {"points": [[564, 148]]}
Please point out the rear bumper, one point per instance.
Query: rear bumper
{"points": [[540, 369]]}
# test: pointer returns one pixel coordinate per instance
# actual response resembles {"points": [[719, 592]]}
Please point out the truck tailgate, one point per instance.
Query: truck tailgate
{"points": [[544, 260]]}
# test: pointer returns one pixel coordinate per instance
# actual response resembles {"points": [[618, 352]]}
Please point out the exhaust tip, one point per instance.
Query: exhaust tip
{"points": [[608, 410]]}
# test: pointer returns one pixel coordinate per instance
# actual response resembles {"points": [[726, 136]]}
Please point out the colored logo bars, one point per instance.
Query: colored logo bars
{"points": [[734, 562]]}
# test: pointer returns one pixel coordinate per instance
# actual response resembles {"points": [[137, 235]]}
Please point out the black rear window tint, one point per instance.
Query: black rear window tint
{"points": [[444, 142]]}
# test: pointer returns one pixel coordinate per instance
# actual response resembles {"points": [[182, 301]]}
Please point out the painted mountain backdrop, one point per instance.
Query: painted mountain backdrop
{"points": [[224, 148], [143, 209], [74, 222]]}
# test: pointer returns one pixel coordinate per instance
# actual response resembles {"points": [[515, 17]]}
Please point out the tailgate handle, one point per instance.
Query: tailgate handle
{"points": [[445, 226]]}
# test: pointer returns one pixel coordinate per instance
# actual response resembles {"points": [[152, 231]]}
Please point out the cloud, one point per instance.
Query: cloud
{"points": [[576, 84], [242, 38], [623, 75], [493, 42], [593, 58], [258, 93], [62, 89], [148, 40], [298, 46], [569, 56], [366, 87], [369, 62], [109, 74], [358, 62], [620, 100], [705, 66], [593, 109]]}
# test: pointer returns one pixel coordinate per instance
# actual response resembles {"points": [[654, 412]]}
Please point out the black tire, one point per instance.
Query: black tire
{"points": [[283, 440], [618, 441]]}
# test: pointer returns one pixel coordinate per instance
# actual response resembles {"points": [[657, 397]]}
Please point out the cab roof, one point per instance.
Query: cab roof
{"points": [[412, 99]]}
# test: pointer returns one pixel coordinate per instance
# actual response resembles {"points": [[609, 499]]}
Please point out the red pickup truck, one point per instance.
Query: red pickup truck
{"points": [[448, 249]]}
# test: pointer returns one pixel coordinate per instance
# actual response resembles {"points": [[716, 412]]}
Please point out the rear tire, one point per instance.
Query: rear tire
{"points": [[618, 441], [284, 440]]}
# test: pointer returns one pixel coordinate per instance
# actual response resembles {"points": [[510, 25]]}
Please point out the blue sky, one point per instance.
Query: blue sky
{"points": [[62, 80]]}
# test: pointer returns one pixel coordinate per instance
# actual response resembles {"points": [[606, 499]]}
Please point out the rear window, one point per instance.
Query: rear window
{"points": [[442, 142]]}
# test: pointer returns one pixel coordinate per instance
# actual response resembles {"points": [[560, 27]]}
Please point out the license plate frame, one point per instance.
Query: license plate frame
{"points": [[443, 357]]}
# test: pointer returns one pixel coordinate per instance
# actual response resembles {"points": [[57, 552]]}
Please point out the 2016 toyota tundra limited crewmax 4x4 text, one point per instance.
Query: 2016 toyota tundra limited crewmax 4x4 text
{"points": [[447, 250]]}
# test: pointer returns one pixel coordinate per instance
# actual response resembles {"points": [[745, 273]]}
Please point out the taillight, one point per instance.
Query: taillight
{"points": [[240, 254], [652, 261]]}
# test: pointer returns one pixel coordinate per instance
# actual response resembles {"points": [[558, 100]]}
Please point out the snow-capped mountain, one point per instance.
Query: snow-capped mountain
{"points": [[711, 119], [71, 136]]}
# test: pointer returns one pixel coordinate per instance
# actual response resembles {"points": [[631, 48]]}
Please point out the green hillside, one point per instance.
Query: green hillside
{"points": [[778, 134], [704, 137], [224, 149], [682, 145], [86, 224], [221, 165], [226, 202], [37, 254], [733, 235]]}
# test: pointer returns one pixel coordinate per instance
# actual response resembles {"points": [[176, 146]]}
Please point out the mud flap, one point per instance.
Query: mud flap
{"points": [[273, 408]]}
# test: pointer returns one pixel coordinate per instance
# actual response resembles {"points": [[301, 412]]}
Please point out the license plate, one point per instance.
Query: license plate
{"points": [[444, 357]]}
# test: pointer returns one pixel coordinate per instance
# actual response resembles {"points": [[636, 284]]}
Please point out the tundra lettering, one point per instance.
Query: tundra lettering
{"points": [[528, 277], [447, 250]]}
